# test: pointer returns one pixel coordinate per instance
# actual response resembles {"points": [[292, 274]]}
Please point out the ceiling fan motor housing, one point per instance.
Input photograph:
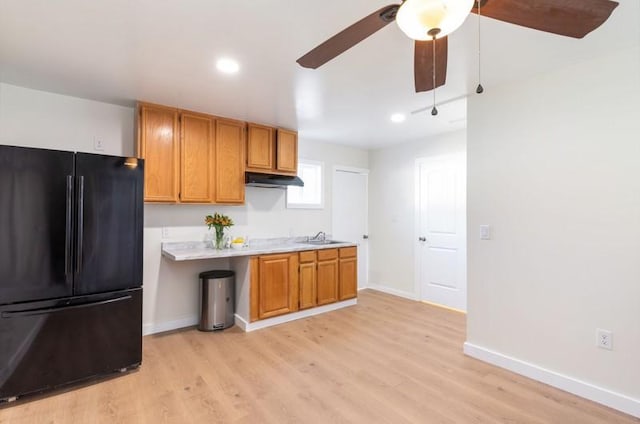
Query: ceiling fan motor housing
{"points": [[388, 15]]}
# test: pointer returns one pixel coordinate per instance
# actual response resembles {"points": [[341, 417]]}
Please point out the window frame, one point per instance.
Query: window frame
{"points": [[320, 205]]}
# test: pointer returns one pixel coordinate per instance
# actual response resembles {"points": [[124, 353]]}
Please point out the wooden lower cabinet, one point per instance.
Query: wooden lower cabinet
{"points": [[288, 282], [327, 276], [274, 285], [308, 280], [348, 286]]}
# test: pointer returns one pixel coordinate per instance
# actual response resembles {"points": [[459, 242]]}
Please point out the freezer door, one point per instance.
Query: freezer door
{"points": [[48, 344], [109, 221], [35, 224]]}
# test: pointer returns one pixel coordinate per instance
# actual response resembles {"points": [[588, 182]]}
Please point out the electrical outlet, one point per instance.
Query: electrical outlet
{"points": [[98, 144], [165, 232], [604, 339]]}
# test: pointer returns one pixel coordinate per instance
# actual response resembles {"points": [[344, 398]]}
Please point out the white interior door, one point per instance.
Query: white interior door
{"points": [[350, 214], [441, 230]]}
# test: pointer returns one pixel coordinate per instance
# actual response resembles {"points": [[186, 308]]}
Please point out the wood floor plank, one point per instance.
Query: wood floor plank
{"points": [[385, 360]]}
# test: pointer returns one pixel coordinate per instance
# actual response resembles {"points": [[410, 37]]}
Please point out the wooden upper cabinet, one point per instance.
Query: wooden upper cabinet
{"points": [[348, 286], [196, 159], [159, 146], [272, 151], [229, 161], [287, 152], [192, 157], [260, 148]]}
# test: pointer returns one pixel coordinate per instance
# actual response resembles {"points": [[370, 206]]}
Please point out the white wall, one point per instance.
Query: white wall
{"points": [[392, 209], [35, 118], [554, 168], [40, 119]]}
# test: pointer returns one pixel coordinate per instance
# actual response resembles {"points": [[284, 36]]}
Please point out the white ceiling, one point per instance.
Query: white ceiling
{"points": [[164, 51]]}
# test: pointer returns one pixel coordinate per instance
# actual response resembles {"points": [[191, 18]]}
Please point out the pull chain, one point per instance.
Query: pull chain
{"points": [[434, 111], [480, 88]]}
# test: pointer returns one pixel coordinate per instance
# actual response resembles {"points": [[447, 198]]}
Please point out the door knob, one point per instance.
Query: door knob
{"points": [[422, 239]]}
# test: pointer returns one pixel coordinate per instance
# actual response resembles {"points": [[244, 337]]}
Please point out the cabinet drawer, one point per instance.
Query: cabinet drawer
{"points": [[348, 252], [327, 254], [309, 256]]}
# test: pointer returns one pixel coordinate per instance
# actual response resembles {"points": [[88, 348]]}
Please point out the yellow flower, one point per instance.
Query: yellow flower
{"points": [[218, 220]]}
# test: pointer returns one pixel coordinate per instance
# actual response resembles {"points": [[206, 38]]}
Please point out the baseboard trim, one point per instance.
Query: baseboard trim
{"points": [[572, 385], [448, 308], [161, 327], [257, 325], [395, 292], [154, 328]]}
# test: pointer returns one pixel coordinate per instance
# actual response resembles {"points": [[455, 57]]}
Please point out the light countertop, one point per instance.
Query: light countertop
{"points": [[188, 251]]}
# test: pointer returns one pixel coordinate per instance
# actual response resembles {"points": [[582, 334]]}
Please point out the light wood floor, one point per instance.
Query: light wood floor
{"points": [[386, 360]]}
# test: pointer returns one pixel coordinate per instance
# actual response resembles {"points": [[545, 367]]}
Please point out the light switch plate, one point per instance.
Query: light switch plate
{"points": [[98, 144], [485, 232]]}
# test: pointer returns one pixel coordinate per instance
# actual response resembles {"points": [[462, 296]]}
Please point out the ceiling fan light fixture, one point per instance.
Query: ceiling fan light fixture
{"points": [[398, 118], [420, 19], [227, 65]]}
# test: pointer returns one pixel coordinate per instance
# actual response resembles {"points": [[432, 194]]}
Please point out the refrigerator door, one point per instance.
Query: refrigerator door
{"points": [[35, 224], [109, 221], [51, 343]]}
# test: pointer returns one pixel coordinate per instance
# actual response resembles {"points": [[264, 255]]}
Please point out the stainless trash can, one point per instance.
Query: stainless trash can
{"points": [[217, 300]]}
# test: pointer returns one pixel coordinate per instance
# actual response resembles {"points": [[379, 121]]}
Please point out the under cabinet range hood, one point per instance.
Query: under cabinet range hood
{"points": [[254, 179]]}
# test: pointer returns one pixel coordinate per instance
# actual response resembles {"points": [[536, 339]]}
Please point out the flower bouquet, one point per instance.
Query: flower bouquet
{"points": [[219, 222]]}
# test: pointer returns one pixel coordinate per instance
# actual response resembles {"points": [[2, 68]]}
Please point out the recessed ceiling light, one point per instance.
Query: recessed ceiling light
{"points": [[227, 66], [398, 117]]}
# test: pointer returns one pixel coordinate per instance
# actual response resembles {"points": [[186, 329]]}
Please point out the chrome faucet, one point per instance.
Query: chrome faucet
{"points": [[321, 236]]}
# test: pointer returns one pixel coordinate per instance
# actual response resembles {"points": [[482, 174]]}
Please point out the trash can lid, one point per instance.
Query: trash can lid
{"points": [[217, 273]]}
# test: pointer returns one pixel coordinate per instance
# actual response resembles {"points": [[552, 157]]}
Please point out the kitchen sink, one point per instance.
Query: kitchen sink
{"points": [[322, 242]]}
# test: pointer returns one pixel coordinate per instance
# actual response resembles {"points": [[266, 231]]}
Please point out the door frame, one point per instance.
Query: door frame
{"points": [[416, 222], [360, 171]]}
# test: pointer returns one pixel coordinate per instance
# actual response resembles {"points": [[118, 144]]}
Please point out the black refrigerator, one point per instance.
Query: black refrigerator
{"points": [[70, 268]]}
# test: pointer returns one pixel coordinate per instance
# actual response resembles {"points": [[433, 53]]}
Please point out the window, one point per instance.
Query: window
{"points": [[311, 195]]}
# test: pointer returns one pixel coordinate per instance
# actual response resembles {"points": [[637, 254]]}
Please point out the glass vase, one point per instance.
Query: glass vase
{"points": [[218, 243]]}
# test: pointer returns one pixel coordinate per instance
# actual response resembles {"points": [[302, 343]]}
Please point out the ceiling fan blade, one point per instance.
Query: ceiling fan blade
{"points": [[349, 37], [423, 64], [571, 18]]}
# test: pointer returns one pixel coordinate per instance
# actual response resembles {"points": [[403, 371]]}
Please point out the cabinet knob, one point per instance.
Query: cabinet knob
{"points": [[422, 238], [365, 236]]}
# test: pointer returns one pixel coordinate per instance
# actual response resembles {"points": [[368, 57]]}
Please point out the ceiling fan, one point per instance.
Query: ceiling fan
{"points": [[429, 22]]}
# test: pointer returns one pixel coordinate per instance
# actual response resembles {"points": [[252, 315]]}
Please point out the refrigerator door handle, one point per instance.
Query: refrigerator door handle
{"points": [[45, 311], [80, 223], [68, 268]]}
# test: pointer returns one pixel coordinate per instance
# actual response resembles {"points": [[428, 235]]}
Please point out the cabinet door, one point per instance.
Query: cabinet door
{"points": [[260, 148], [327, 281], [308, 287], [229, 161], [278, 285], [348, 278], [196, 159], [159, 146], [287, 152]]}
